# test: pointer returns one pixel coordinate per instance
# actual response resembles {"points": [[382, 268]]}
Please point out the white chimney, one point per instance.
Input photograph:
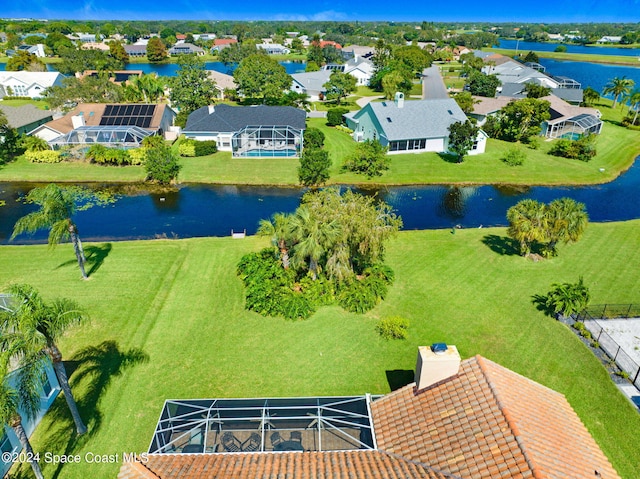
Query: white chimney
{"points": [[399, 99], [436, 363], [212, 108], [77, 120]]}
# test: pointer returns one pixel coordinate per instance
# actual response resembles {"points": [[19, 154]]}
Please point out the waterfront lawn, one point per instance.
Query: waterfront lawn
{"points": [[575, 57], [168, 321]]}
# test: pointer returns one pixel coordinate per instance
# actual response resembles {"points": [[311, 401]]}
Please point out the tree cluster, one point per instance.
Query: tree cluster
{"points": [[519, 120], [542, 226], [583, 149], [315, 161], [330, 250], [369, 158], [479, 84]]}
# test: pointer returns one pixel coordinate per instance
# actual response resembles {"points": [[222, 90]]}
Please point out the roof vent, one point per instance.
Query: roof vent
{"points": [[436, 363], [389, 119], [212, 108], [384, 103], [450, 112]]}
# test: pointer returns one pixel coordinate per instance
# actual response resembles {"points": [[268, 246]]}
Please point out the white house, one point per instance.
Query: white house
{"points": [[274, 48], [359, 67], [31, 84], [311, 83], [410, 126]]}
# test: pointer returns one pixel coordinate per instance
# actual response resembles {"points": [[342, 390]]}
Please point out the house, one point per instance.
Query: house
{"points": [[28, 84], [205, 37], [357, 51], [410, 126], [222, 43], [185, 49], [330, 43], [566, 121], [136, 50], [311, 84], [180, 37], [25, 118], [112, 125], [249, 130], [360, 68], [471, 419], [95, 46], [222, 81], [273, 48], [37, 50], [609, 39], [9, 442]]}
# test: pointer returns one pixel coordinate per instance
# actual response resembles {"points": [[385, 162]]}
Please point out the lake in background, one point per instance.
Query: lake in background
{"points": [[525, 47], [214, 210]]}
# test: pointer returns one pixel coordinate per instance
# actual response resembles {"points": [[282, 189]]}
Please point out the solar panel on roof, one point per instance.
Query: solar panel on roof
{"points": [[128, 115]]}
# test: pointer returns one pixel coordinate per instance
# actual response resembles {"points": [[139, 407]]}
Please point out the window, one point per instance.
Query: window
{"points": [[46, 387], [5, 444]]}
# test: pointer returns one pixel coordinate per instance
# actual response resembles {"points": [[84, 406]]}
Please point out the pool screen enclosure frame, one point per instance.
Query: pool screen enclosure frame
{"points": [[187, 426], [260, 140]]}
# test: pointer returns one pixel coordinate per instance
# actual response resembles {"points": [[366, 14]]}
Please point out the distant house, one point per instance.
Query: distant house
{"points": [[311, 84], [223, 82], [88, 37], [250, 130], [205, 37], [566, 121], [609, 39], [330, 43], [185, 49], [112, 125], [469, 419], [28, 84], [37, 50], [222, 43], [180, 37], [136, 50], [274, 48], [357, 51], [358, 67], [95, 46], [410, 126], [25, 118]]}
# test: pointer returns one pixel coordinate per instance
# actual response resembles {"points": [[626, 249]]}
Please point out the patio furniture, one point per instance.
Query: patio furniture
{"points": [[296, 436], [192, 449], [276, 439], [252, 444], [289, 446], [230, 443]]}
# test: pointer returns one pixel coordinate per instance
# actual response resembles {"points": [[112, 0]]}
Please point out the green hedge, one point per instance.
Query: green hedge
{"points": [[191, 148], [45, 156]]}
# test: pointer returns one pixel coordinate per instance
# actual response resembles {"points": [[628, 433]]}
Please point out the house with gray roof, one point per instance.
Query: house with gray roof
{"points": [[358, 67], [311, 83], [136, 50], [410, 126], [25, 118], [273, 48], [185, 49], [247, 131]]}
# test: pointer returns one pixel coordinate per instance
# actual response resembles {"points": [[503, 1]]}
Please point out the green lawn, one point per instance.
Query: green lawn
{"points": [[168, 322]]}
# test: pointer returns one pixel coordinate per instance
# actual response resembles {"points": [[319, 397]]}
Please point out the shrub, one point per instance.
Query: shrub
{"points": [[582, 149], [161, 164], [320, 292], [568, 298], [334, 116], [137, 155], [344, 128], [393, 328], [514, 157], [47, 156], [313, 138], [189, 147], [33, 143], [369, 158], [102, 155], [356, 296], [295, 306]]}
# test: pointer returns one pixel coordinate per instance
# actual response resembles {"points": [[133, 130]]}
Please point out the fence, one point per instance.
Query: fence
{"points": [[606, 342]]}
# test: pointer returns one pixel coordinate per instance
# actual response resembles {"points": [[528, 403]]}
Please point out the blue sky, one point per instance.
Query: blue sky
{"points": [[547, 11]]}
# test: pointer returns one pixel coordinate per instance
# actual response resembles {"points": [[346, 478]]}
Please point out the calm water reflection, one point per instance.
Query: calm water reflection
{"points": [[208, 210]]}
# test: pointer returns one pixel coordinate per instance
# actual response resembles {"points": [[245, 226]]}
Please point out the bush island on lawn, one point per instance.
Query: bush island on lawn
{"points": [[330, 249]]}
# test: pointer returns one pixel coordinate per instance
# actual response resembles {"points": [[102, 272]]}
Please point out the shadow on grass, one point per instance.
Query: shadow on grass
{"points": [[399, 378], [540, 302], [95, 256], [91, 371], [449, 158], [502, 245]]}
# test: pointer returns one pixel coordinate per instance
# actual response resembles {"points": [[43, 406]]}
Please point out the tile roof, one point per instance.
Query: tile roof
{"points": [[308, 465], [227, 118], [489, 422]]}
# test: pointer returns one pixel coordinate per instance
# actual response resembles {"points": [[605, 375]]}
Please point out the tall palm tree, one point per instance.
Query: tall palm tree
{"points": [[149, 86], [618, 87], [30, 331], [527, 223], [57, 208], [27, 398], [634, 103], [313, 237], [566, 221], [279, 230]]}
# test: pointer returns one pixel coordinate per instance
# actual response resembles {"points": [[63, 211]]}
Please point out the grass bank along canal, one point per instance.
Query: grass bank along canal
{"points": [[215, 210]]}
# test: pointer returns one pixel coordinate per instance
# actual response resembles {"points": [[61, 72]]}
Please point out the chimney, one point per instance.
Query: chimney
{"points": [[212, 108], [436, 363], [399, 99], [77, 120]]}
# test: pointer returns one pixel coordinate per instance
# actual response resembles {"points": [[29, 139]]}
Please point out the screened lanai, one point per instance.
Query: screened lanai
{"points": [[267, 141], [111, 136], [574, 127], [259, 425]]}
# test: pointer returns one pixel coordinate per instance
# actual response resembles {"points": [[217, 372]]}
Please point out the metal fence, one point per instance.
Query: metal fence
{"points": [[606, 342]]}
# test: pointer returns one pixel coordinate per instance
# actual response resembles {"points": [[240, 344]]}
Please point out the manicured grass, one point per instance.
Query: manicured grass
{"points": [[41, 104], [617, 147], [179, 304], [575, 57]]}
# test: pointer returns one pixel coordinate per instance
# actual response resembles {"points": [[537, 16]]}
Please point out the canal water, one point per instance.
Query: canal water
{"points": [[213, 210], [523, 46]]}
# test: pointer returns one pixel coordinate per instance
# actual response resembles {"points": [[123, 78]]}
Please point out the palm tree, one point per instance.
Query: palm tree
{"points": [[590, 96], [149, 86], [566, 221], [313, 238], [279, 229], [30, 331], [526, 223], [634, 103], [618, 87], [27, 397], [57, 207]]}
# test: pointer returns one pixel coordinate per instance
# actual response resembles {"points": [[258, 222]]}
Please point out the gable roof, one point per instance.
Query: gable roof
{"points": [[489, 422], [416, 119], [227, 118], [19, 116], [222, 79], [312, 81], [44, 79]]}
